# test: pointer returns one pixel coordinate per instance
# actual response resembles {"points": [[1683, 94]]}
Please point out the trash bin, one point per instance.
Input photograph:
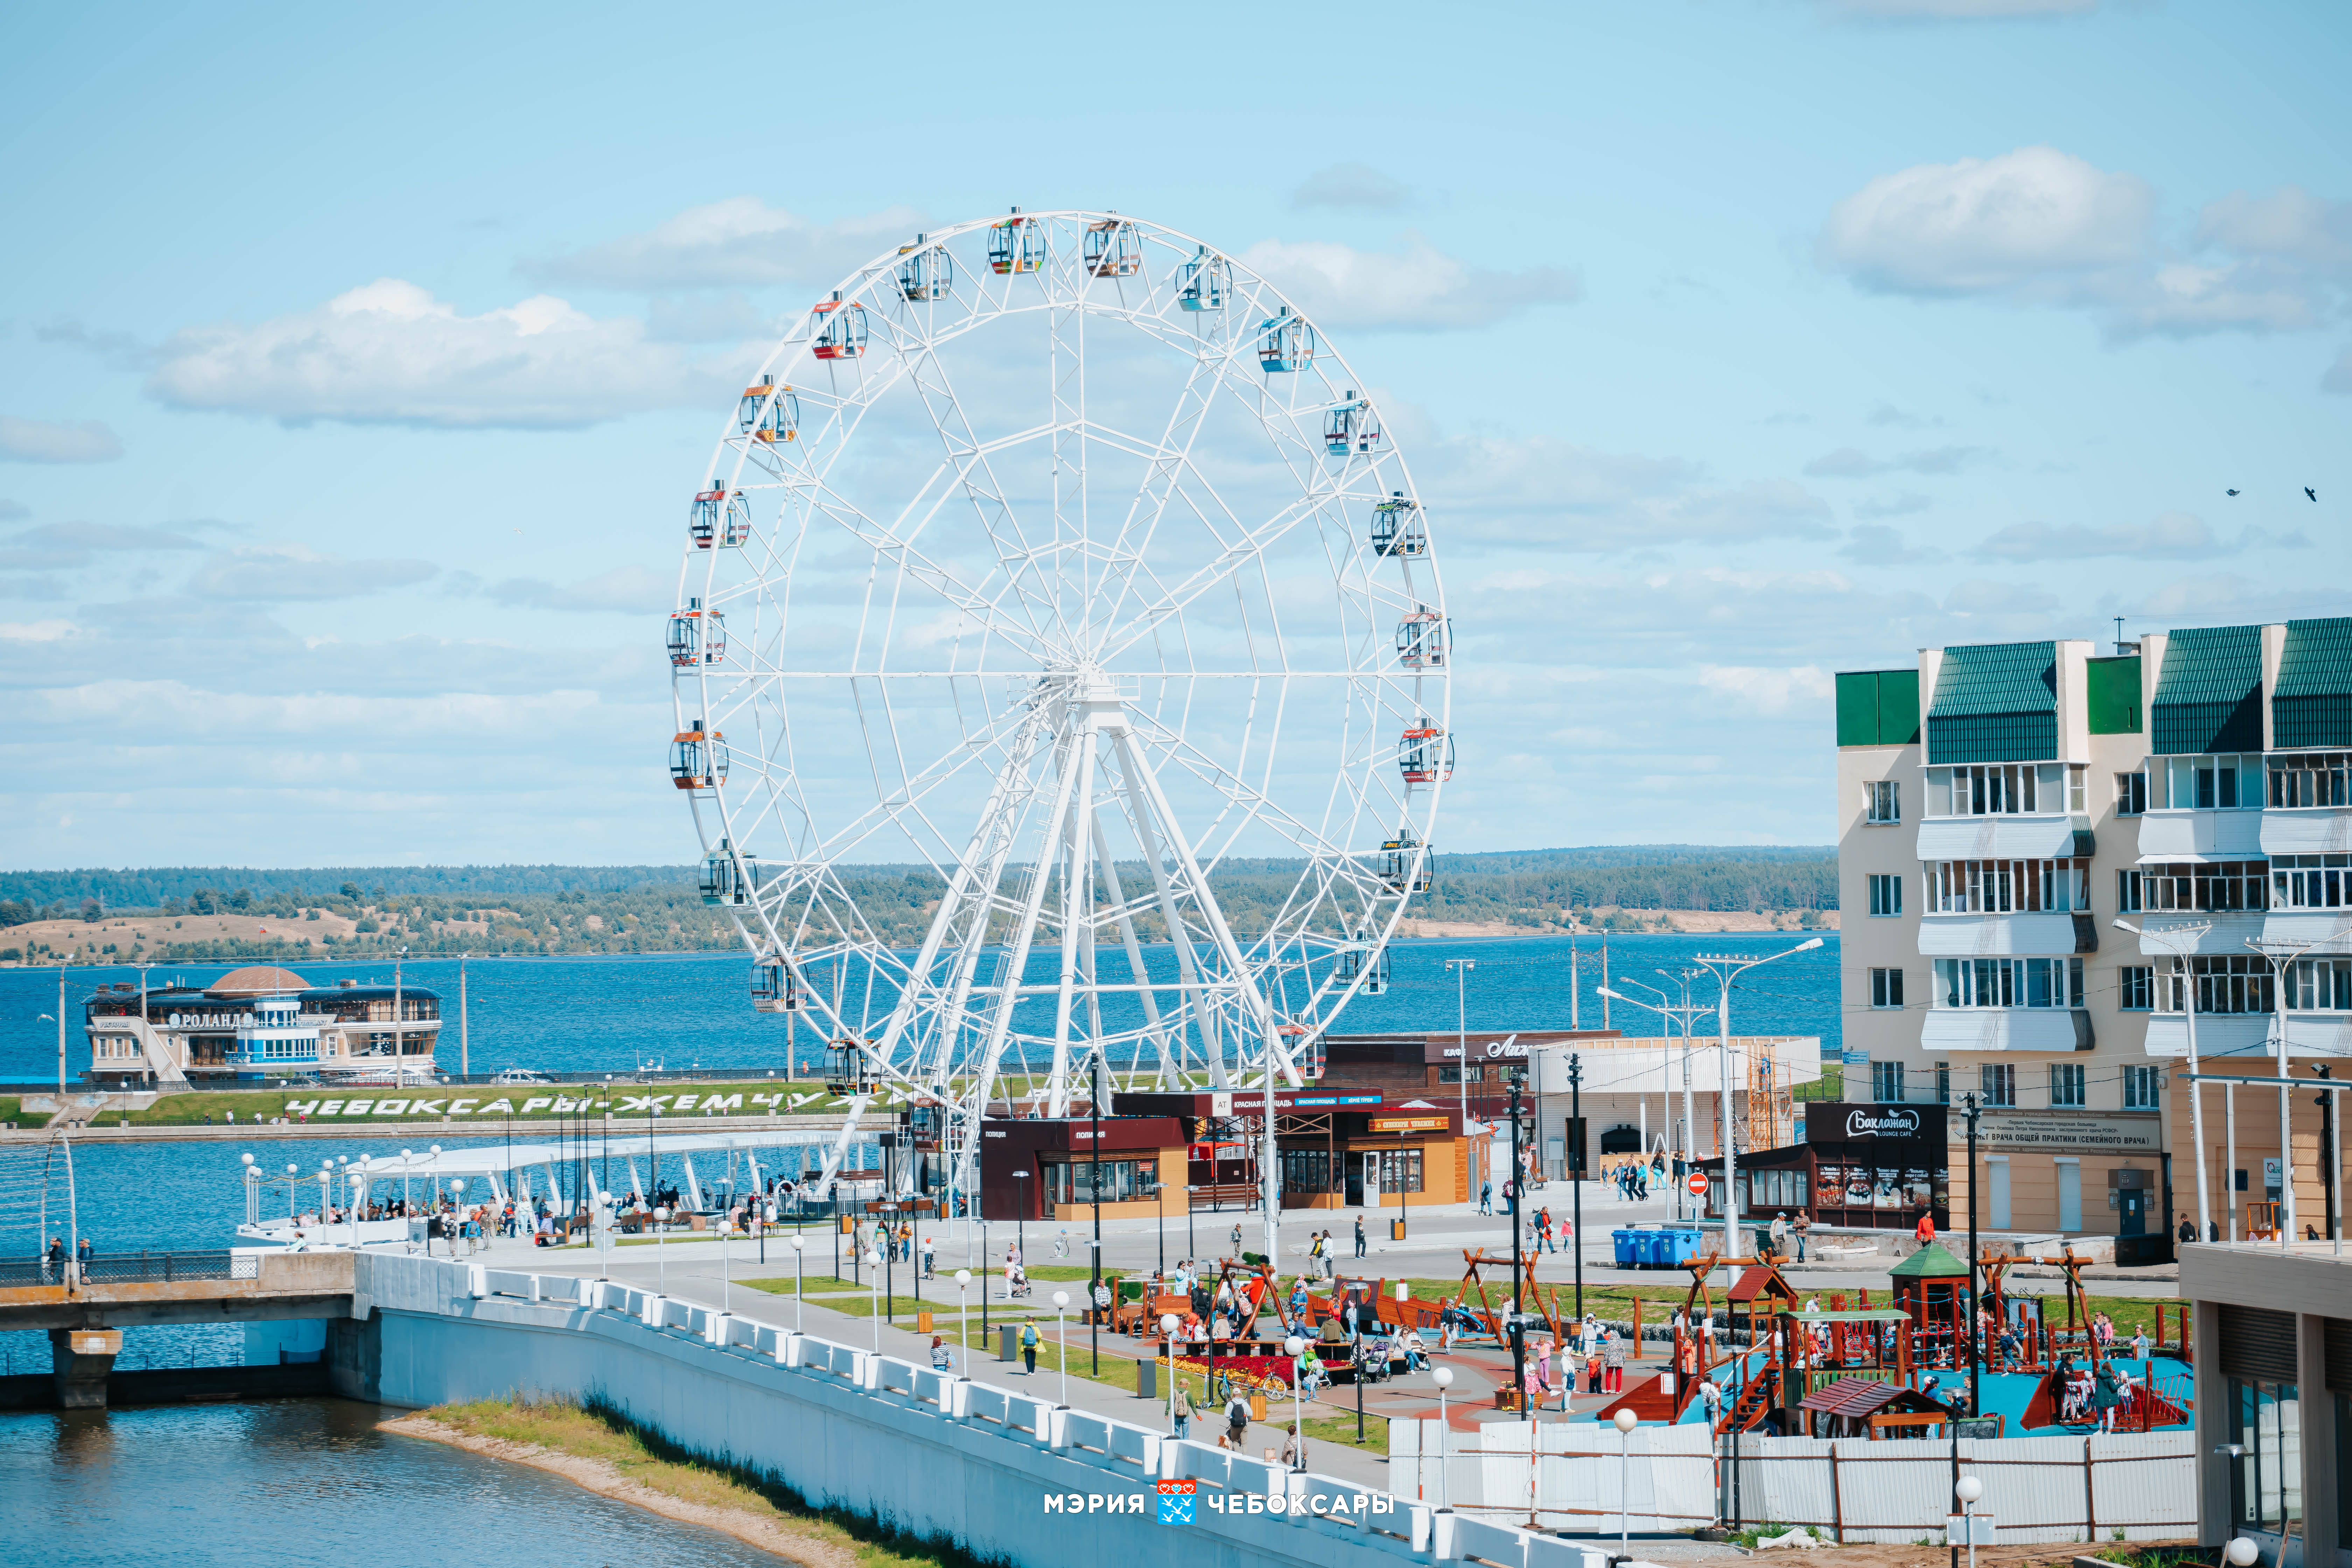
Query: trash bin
{"points": [[1009, 1342], [1396, 1230], [1147, 1379], [922, 1322], [1627, 1242], [1649, 1249]]}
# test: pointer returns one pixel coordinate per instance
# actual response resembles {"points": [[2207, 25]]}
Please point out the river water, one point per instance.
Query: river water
{"points": [[307, 1481], [607, 1013]]}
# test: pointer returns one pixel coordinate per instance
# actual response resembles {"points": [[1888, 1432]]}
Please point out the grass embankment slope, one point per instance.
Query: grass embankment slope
{"points": [[603, 1450]]}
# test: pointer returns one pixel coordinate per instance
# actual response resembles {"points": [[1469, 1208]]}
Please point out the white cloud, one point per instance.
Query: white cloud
{"points": [[1853, 463], [48, 441], [1419, 288], [1903, 505], [61, 545], [2027, 222], [2282, 262], [36, 631], [2339, 374], [1875, 544], [634, 589], [389, 352], [1766, 689], [742, 241], [1350, 185], [2173, 536], [284, 571]]}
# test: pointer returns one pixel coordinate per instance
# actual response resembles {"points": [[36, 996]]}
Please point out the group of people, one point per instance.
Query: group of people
{"points": [[1784, 1230]]}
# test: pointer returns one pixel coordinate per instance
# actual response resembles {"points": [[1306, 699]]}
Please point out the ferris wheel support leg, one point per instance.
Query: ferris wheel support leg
{"points": [[1134, 948], [1188, 976], [1138, 771], [1015, 957], [839, 1151], [1076, 875]]}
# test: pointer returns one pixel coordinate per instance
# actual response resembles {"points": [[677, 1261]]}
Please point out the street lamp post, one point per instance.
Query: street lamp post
{"points": [[1443, 1378], [1969, 1489], [661, 1228], [1626, 1421], [964, 1320], [1167, 1333], [874, 1288], [799, 1296], [1296, 1348], [2280, 956], [2178, 940], [1062, 1337], [1670, 1014], [1726, 968]]}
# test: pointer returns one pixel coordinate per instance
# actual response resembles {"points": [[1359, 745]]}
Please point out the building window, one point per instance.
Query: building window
{"points": [[2009, 982], [1884, 799], [2140, 1084], [2224, 984], [2006, 887], [1887, 1082], [2205, 885], [1307, 1170], [1998, 1082], [1886, 895], [1400, 1170], [2320, 986], [2316, 778], [2266, 1479], [1454, 1074], [2311, 881], [1886, 988], [2005, 788], [1073, 1181], [2135, 988], [2213, 784], [2066, 1084], [1943, 1083], [2131, 794]]}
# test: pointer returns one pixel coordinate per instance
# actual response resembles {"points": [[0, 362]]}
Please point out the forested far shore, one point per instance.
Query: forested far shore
{"points": [[194, 913]]}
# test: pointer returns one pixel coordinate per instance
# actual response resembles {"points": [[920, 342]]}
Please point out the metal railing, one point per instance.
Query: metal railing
{"points": [[148, 1268]]}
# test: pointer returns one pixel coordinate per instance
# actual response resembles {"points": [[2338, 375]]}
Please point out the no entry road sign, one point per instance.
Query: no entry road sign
{"points": [[1697, 1183]]}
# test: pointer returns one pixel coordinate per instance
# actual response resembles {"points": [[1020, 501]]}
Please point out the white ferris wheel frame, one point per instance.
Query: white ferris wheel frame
{"points": [[1068, 608]]}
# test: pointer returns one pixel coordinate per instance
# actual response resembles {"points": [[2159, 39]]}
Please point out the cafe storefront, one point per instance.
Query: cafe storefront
{"points": [[1867, 1167]]}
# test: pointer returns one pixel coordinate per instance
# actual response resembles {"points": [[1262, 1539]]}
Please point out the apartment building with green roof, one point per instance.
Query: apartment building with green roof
{"points": [[2000, 807]]}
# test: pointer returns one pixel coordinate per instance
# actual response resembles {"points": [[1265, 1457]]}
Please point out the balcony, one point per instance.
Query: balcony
{"points": [[2230, 932], [2321, 1036], [2004, 836], [2203, 835], [2329, 930], [2006, 1029], [2041, 934], [2309, 830]]}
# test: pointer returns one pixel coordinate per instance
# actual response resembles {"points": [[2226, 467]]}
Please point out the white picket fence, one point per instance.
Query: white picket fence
{"points": [[1572, 1478]]}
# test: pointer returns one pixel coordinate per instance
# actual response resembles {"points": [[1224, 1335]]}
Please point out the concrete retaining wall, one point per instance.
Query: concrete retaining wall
{"points": [[1003, 1474]]}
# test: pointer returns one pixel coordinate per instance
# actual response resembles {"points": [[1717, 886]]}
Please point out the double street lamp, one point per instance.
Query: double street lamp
{"points": [[1726, 968]]}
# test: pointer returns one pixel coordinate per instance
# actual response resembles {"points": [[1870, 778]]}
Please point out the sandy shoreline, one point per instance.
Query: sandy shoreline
{"points": [[596, 1476]]}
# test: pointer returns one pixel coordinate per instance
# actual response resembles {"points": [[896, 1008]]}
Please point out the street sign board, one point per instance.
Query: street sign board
{"points": [[1697, 1183]]}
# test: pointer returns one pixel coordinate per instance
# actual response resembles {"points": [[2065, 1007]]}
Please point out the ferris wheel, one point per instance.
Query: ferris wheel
{"points": [[1062, 675]]}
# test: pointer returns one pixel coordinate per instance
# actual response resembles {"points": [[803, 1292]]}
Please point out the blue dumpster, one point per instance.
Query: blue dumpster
{"points": [[1677, 1245], [1628, 1246], [1646, 1250]]}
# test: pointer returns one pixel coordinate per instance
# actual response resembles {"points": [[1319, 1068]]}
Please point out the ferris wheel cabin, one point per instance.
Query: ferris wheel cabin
{"points": [[1425, 754], [698, 759], [769, 412], [1017, 244], [722, 882], [773, 988], [1368, 961], [720, 516], [926, 273], [697, 636], [1286, 342], [846, 1070], [1420, 640], [1202, 283], [1349, 427], [840, 328], [1404, 867], [1112, 249], [1396, 528]]}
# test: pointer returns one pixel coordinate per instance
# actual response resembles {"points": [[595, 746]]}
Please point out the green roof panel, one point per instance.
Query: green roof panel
{"points": [[1877, 706], [1995, 702], [1930, 1262], [2209, 695], [2313, 704]]}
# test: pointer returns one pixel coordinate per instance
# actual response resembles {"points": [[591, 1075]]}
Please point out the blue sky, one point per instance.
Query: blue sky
{"points": [[1732, 343]]}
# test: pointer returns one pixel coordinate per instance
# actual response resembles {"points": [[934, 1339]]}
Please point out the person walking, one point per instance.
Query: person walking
{"points": [[1801, 1227], [1612, 1359], [940, 1360], [1237, 1415], [1711, 1397], [1360, 1235], [1029, 1347], [1294, 1450], [1486, 1197], [1781, 1234], [1925, 1231], [1181, 1408], [1237, 1241]]}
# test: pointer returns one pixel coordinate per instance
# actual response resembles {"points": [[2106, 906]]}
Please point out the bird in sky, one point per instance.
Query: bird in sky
{"points": [[2312, 493], [2230, 492]]}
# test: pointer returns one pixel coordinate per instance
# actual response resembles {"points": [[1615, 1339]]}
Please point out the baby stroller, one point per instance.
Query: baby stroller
{"points": [[1019, 1284], [1372, 1361]]}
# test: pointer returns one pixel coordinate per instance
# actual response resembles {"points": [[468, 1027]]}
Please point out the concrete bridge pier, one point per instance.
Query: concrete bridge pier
{"points": [[80, 1362]]}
